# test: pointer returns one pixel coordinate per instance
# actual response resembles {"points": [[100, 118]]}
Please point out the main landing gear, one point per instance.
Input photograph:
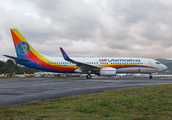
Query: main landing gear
{"points": [[88, 76], [150, 77]]}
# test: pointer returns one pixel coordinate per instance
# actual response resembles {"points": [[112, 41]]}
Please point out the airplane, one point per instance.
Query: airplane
{"points": [[101, 66], [29, 75]]}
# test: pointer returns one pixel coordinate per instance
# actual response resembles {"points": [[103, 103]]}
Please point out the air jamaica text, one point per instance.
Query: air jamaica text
{"points": [[119, 60]]}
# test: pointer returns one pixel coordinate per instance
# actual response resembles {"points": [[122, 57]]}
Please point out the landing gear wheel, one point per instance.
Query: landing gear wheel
{"points": [[88, 76], [150, 77]]}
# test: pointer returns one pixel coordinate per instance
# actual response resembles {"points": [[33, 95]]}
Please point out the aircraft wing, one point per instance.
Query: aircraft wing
{"points": [[82, 66]]}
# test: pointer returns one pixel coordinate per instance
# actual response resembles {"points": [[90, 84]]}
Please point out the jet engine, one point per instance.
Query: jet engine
{"points": [[107, 71]]}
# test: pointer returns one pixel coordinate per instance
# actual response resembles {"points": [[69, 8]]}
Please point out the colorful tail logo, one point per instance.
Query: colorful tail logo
{"points": [[22, 48]]}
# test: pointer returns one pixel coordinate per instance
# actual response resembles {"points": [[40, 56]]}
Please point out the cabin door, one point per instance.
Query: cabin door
{"points": [[149, 63]]}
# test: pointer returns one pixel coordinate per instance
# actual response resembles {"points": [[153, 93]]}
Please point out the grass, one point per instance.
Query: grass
{"points": [[137, 103], [4, 78]]}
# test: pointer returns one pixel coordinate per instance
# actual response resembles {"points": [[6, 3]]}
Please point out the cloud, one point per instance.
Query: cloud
{"points": [[128, 28]]}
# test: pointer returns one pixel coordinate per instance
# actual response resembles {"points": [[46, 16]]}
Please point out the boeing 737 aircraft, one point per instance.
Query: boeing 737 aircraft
{"points": [[28, 57]]}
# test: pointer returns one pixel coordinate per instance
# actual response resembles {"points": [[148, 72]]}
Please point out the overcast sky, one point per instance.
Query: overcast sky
{"points": [[89, 28]]}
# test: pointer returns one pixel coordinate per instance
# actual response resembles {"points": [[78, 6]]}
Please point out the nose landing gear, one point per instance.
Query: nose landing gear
{"points": [[88, 76]]}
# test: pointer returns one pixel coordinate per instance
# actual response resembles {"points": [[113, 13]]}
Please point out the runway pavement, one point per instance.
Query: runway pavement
{"points": [[14, 91]]}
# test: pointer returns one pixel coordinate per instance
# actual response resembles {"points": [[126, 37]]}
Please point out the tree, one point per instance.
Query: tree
{"points": [[10, 66], [2, 67]]}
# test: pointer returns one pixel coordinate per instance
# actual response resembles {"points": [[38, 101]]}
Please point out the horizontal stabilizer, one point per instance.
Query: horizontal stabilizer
{"points": [[15, 58]]}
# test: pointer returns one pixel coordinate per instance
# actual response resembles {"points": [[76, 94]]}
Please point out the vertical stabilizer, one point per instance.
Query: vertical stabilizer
{"points": [[24, 49]]}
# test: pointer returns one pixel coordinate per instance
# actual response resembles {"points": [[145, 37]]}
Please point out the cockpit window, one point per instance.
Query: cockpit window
{"points": [[158, 63]]}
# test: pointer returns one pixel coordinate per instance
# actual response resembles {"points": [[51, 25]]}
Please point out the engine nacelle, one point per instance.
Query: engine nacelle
{"points": [[107, 71]]}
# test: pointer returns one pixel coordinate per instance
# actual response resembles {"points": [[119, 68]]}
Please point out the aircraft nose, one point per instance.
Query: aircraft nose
{"points": [[164, 67]]}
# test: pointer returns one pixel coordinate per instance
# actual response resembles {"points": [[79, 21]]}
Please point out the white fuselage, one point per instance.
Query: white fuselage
{"points": [[122, 65]]}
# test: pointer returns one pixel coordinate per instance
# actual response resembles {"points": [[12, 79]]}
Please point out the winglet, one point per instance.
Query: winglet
{"points": [[65, 56]]}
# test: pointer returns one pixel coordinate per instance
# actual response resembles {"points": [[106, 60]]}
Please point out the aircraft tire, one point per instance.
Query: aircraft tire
{"points": [[150, 77], [88, 76]]}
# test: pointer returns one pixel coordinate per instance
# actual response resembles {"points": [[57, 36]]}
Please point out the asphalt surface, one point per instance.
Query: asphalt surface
{"points": [[14, 91]]}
